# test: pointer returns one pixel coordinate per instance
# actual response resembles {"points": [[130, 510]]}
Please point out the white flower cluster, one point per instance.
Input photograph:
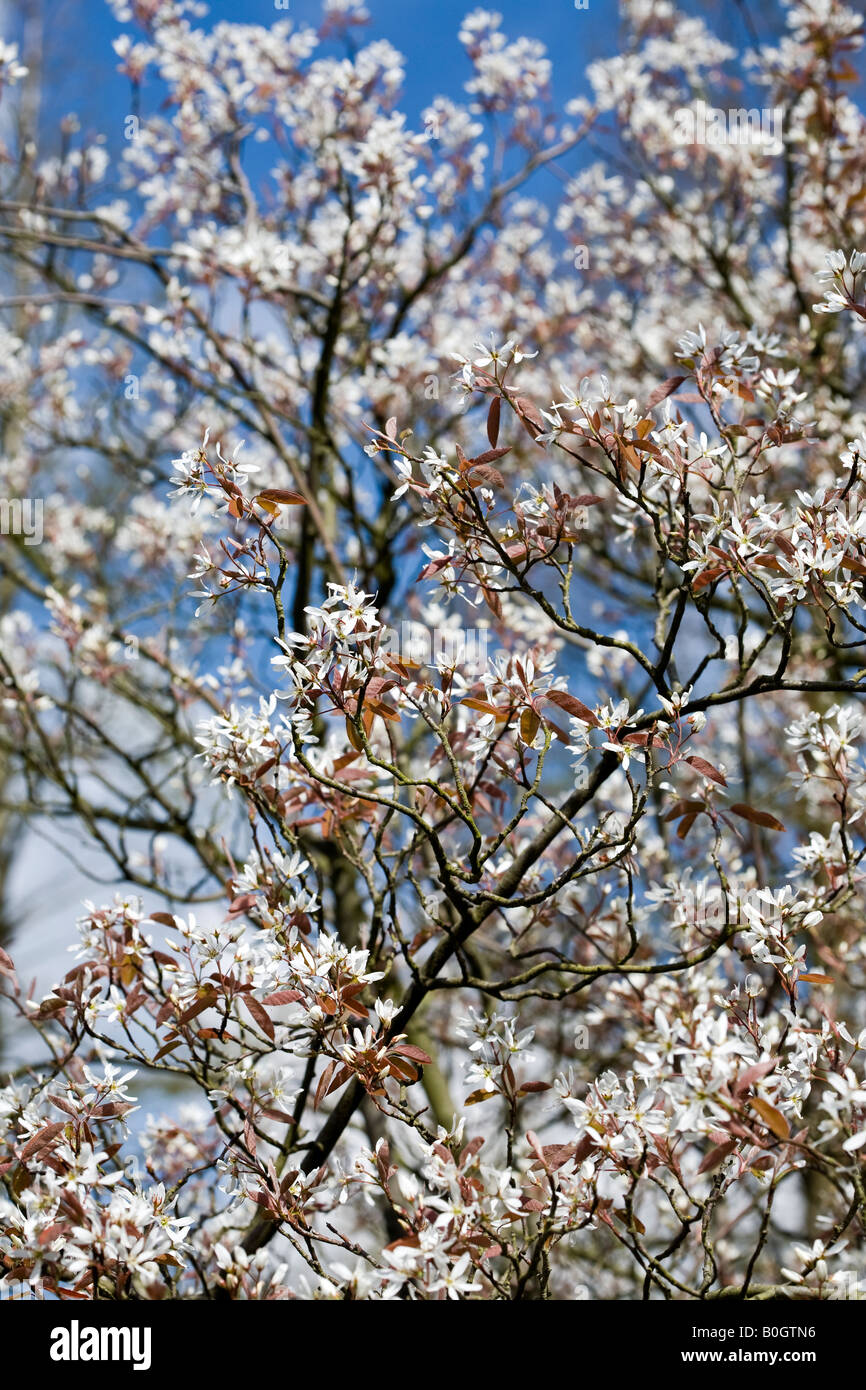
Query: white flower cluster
{"points": [[130, 1233], [843, 293]]}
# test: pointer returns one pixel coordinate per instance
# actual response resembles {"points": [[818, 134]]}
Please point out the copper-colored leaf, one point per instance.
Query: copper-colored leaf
{"points": [[482, 475], [197, 1008], [22, 1178], [684, 808], [717, 1156], [283, 996], [529, 725], [485, 707], [404, 1071], [259, 1015], [281, 1117], [42, 1138], [772, 1117], [477, 1097], [572, 706], [415, 1054], [756, 817], [242, 903], [353, 736], [530, 416], [324, 1083], [489, 456], [667, 388], [284, 497], [752, 1074], [707, 770]]}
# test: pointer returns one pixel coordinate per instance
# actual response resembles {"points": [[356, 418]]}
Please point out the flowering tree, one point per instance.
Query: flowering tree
{"points": [[490, 893]]}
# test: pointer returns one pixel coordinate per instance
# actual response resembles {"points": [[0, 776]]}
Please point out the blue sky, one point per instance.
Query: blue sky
{"points": [[80, 74], [426, 33]]}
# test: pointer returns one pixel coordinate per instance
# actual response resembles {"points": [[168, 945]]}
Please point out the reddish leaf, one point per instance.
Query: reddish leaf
{"points": [[242, 903], [404, 1071], [530, 416], [642, 740], [66, 1106], [353, 736], [324, 1082], [684, 808], [22, 1178], [411, 1241], [283, 996], [51, 1232], [493, 415], [717, 1156], [756, 817], [198, 1008], [41, 1139], [772, 1117], [378, 685], [667, 388], [164, 958], [485, 707], [752, 1074], [707, 770], [279, 1115], [489, 456], [165, 1012], [529, 725], [284, 496], [434, 566], [259, 1015], [686, 824], [572, 706], [415, 1054], [481, 475], [491, 598]]}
